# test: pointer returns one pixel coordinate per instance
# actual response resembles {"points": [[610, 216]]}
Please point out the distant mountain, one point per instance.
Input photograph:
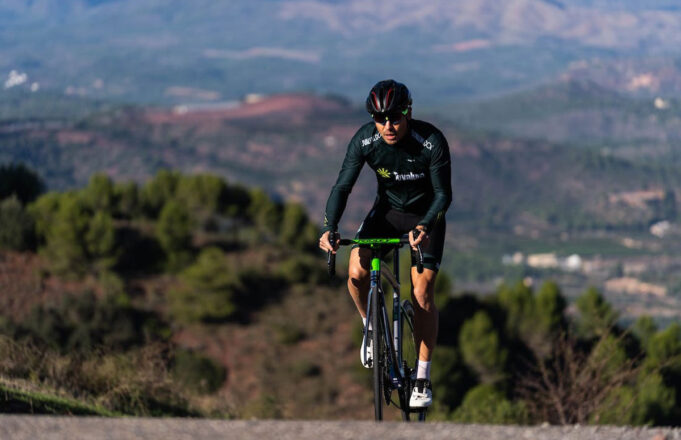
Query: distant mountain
{"points": [[581, 112], [293, 146], [143, 50]]}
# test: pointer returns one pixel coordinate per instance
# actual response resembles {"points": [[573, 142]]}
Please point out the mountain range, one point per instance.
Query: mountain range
{"points": [[146, 50]]}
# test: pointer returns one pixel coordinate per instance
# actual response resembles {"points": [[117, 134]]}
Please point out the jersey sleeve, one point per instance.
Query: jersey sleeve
{"points": [[441, 179], [335, 205]]}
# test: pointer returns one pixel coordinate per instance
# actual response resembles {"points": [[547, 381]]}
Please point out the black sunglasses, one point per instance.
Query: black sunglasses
{"points": [[393, 117]]}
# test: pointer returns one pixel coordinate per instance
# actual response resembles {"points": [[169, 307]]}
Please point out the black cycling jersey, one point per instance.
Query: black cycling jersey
{"points": [[413, 175]]}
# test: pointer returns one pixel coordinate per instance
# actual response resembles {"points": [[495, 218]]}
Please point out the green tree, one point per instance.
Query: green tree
{"points": [[99, 194], [596, 315], [202, 194], [618, 408], [65, 248], [158, 191], [208, 289], [664, 350], [174, 232], [237, 200], [77, 240], [17, 179], [127, 196], [16, 226], [296, 231], [44, 210], [100, 241], [451, 378], [608, 359], [655, 402], [645, 328], [518, 303], [549, 308], [481, 347], [265, 214]]}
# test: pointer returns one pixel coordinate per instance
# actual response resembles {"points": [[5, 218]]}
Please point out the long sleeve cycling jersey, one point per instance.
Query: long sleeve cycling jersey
{"points": [[413, 175]]}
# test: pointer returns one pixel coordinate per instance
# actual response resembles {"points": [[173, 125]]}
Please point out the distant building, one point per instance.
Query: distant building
{"points": [[660, 229], [633, 286], [543, 261], [661, 104], [573, 263], [637, 199], [515, 259]]}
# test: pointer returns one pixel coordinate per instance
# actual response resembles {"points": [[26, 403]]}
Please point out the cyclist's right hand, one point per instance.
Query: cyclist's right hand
{"points": [[325, 245]]}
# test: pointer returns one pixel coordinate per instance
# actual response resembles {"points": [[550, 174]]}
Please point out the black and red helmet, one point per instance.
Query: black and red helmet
{"points": [[388, 96]]}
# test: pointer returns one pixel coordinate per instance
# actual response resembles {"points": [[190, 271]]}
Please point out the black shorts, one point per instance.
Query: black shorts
{"points": [[390, 223]]}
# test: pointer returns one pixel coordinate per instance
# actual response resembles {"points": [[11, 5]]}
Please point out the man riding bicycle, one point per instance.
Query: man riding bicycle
{"points": [[412, 165]]}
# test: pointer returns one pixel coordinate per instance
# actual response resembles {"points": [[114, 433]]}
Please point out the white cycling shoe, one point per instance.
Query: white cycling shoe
{"points": [[422, 395], [368, 359]]}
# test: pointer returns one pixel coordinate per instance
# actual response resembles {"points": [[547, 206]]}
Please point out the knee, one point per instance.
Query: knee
{"points": [[357, 274], [424, 299]]}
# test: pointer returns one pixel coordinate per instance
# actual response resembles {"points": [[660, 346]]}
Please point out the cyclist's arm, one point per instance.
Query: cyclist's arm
{"points": [[352, 165], [441, 179]]}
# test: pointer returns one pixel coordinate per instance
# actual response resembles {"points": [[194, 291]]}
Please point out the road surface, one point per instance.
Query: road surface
{"points": [[76, 428]]}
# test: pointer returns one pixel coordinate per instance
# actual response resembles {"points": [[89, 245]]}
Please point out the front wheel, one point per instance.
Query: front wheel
{"points": [[409, 359], [378, 362]]}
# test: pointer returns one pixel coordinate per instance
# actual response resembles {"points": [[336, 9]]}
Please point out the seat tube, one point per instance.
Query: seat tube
{"points": [[373, 286], [375, 270]]}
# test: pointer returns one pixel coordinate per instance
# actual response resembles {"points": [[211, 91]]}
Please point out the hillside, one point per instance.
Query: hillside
{"points": [[582, 112], [512, 194], [293, 145], [451, 49], [191, 297]]}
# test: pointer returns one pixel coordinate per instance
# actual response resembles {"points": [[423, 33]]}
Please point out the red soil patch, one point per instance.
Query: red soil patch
{"points": [[292, 106]]}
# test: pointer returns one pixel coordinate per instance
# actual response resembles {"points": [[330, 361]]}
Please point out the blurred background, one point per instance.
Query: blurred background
{"points": [[164, 167]]}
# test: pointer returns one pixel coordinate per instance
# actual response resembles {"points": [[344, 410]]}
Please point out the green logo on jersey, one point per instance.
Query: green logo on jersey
{"points": [[383, 173]]}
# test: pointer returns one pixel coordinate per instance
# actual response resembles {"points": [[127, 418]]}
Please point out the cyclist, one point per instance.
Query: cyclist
{"points": [[412, 165]]}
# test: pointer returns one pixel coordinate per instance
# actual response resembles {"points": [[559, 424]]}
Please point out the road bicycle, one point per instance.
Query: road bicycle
{"points": [[394, 346]]}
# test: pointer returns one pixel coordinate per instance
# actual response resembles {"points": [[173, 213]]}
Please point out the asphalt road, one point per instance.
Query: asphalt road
{"points": [[76, 428]]}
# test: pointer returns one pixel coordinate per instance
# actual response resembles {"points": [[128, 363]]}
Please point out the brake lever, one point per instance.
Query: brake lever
{"points": [[330, 256], [419, 252]]}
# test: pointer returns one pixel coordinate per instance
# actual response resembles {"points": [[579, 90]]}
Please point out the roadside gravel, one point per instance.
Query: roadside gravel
{"points": [[76, 428]]}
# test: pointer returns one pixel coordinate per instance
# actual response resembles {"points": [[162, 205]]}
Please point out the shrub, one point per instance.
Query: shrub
{"points": [[485, 404], [83, 322], [208, 289], [197, 373], [302, 268], [16, 226]]}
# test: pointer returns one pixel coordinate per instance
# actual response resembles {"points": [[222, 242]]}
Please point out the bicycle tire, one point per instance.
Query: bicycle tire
{"points": [[409, 355], [378, 363]]}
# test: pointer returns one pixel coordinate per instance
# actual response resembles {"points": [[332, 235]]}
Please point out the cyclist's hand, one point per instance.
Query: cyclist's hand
{"points": [[324, 242], [423, 238]]}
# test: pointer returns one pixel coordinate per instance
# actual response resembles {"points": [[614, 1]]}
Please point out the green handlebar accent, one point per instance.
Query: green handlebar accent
{"points": [[376, 241]]}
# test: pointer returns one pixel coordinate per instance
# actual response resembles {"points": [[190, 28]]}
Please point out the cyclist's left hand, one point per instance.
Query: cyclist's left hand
{"points": [[423, 238]]}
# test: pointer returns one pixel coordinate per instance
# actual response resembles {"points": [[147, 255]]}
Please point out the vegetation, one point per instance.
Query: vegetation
{"points": [[107, 345], [162, 265], [518, 358]]}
